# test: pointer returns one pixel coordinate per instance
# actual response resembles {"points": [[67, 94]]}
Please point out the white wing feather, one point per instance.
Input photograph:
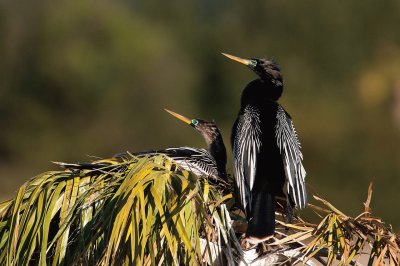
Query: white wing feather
{"points": [[289, 146], [246, 147], [198, 161]]}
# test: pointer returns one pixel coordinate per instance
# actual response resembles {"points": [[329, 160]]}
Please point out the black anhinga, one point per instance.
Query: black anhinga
{"points": [[210, 163], [266, 150]]}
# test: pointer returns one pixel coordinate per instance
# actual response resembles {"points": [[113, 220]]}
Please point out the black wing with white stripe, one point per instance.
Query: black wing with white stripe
{"points": [[246, 147], [289, 146], [198, 161]]}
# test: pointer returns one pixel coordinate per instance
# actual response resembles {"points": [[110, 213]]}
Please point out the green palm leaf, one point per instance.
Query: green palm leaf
{"points": [[140, 211]]}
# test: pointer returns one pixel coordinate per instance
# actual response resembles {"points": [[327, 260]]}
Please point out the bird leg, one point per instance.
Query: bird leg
{"points": [[262, 248], [286, 205], [257, 240], [288, 211], [245, 245]]}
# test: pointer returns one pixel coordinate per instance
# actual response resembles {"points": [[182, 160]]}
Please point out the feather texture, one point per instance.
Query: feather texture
{"points": [[289, 146], [198, 161], [246, 147]]}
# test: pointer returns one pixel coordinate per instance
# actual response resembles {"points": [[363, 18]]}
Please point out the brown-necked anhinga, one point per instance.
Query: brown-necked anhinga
{"points": [[209, 163]]}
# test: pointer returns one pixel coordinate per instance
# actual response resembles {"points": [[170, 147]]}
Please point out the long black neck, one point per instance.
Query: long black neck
{"points": [[258, 91], [218, 151]]}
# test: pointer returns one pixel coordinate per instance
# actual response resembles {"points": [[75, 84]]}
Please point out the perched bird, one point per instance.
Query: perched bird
{"points": [[266, 151], [210, 163]]}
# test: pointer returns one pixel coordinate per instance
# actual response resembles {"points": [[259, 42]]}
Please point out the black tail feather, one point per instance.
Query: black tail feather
{"points": [[82, 166], [261, 222]]}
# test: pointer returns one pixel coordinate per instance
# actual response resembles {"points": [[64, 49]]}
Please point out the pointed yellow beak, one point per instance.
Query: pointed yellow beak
{"points": [[238, 59], [180, 117]]}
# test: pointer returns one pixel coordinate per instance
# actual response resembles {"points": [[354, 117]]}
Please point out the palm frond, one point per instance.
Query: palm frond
{"points": [[341, 240], [141, 211], [149, 211]]}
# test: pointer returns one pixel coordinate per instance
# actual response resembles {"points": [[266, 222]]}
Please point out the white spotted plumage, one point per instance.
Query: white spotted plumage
{"points": [[246, 147], [198, 161], [289, 147]]}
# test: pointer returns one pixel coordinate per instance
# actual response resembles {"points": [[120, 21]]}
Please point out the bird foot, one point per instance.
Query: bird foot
{"points": [[262, 248], [246, 245], [256, 240]]}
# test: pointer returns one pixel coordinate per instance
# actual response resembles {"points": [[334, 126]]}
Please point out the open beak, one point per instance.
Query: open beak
{"points": [[245, 62], [180, 117]]}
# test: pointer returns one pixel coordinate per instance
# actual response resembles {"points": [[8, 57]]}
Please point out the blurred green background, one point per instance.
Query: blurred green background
{"points": [[81, 78]]}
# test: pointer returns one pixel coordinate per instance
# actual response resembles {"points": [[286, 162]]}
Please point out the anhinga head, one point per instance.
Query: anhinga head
{"points": [[269, 73]]}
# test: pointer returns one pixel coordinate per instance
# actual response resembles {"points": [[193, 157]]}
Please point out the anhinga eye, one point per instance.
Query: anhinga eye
{"points": [[195, 122], [253, 63]]}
